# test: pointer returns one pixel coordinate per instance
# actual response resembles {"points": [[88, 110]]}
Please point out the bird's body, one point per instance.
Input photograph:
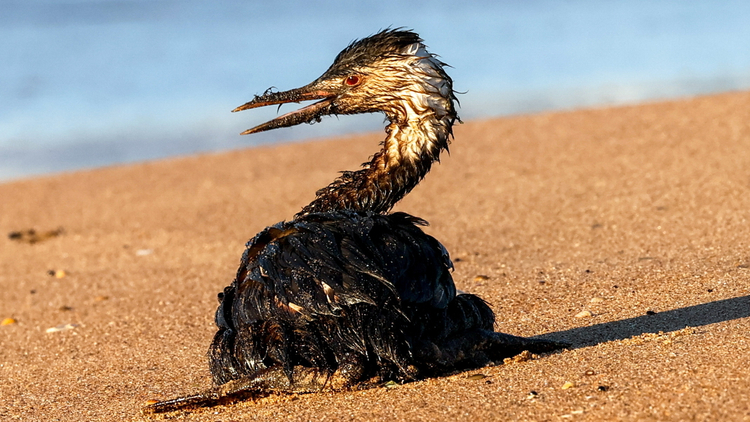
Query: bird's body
{"points": [[345, 292], [338, 290]]}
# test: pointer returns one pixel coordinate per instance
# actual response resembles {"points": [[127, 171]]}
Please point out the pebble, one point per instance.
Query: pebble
{"points": [[596, 300], [521, 357], [584, 314], [57, 273]]}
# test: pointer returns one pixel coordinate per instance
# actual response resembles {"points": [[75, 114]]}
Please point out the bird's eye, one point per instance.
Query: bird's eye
{"points": [[353, 80]]}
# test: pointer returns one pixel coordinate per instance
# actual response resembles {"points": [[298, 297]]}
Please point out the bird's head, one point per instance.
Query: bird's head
{"points": [[390, 72]]}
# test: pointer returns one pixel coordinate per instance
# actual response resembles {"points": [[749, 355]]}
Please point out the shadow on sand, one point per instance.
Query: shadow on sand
{"points": [[676, 319]]}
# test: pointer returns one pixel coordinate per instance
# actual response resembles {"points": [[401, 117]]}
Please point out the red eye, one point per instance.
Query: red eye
{"points": [[352, 80]]}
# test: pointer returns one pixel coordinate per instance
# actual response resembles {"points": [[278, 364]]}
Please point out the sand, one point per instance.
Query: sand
{"points": [[613, 229]]}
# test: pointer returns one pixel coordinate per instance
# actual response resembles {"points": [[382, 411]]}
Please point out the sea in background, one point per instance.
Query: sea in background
{"points": [[87, 83]]}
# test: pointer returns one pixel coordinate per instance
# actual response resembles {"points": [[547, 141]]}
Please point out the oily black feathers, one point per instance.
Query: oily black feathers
{"points": [[331, 288]]}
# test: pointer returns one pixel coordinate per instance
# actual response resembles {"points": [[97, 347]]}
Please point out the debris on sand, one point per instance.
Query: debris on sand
{"points": [[62, 327], [31, 236]]}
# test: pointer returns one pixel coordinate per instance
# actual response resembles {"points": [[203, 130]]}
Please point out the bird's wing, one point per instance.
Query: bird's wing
{"points": [[322, 262]]}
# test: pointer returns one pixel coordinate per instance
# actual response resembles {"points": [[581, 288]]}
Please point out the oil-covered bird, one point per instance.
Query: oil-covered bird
{"points": [[346, 293]]}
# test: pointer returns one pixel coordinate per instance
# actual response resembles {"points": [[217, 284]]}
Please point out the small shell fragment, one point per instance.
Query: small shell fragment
{"points": [[596, 300], [567, 385], [8, 321], [62, 327], [584, 314], [477, 377]]}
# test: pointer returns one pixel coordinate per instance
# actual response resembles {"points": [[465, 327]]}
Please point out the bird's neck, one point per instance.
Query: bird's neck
{"points": [[415, 139]]}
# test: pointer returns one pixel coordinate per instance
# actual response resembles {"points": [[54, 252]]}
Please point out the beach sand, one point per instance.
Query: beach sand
{"points": [[613, 229]]}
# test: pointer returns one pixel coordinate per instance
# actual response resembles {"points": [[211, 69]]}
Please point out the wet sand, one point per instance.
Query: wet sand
{"points": [[613, 229]]}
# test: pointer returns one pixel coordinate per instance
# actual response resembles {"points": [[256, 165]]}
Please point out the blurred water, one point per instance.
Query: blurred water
{"points": [[96, 82]]}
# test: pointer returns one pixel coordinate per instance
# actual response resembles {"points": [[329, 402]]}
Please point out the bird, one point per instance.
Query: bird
{"points": [[347, 293]]}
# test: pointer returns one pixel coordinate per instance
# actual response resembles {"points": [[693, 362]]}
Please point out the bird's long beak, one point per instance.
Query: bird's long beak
{"points": [[307, 114]]}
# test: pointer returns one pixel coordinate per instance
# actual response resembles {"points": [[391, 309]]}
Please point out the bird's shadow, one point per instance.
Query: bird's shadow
{"points": [[672, 320]]}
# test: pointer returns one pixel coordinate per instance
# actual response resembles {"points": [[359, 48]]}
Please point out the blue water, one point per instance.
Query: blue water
{"points": [[93, 82]]}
